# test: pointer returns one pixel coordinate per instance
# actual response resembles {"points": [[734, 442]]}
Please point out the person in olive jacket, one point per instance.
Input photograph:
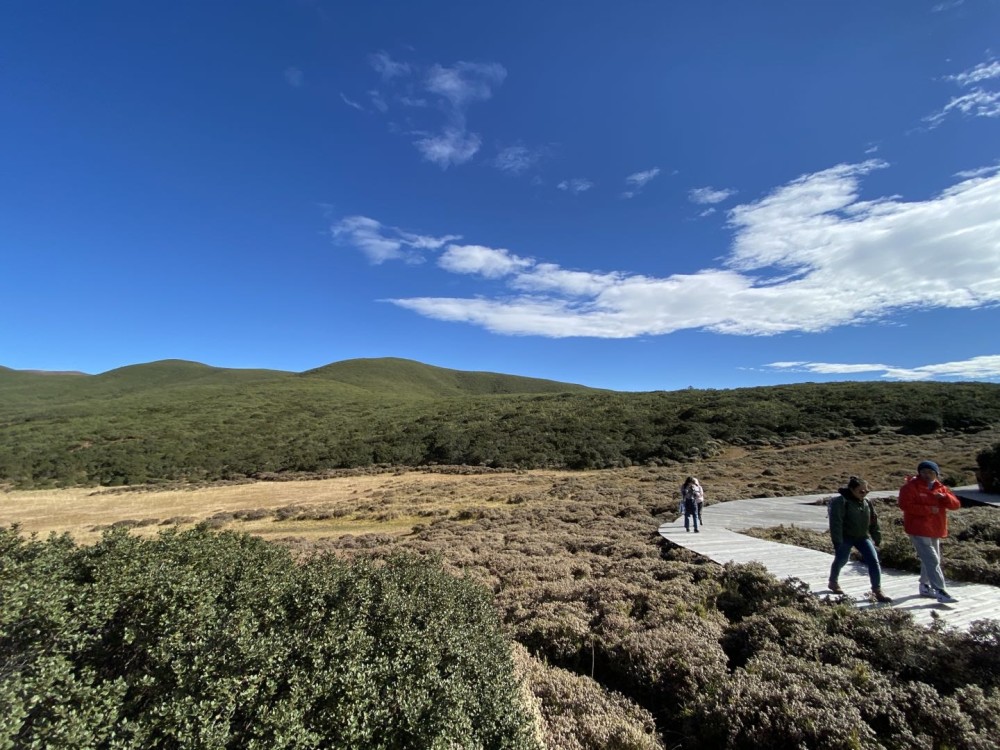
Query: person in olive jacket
{"points": [[854, 524], [925, 503]]}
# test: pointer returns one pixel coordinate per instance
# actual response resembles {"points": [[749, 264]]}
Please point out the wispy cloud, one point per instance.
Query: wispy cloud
{"points": [[977, 368], [706, 195], [638, 180], [978, 172], [451, 146], [351, 102], [295, 77], [388, 68], [378, 101], [947, 5], [980, 101], [457, 87], [576, 185], [517, 159], [381, 243], [452, 88], [984, 71], [789, 250], [465, 82]]}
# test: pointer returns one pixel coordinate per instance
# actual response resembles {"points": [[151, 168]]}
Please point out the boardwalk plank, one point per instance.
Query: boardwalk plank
{"points": [[720, 541]]}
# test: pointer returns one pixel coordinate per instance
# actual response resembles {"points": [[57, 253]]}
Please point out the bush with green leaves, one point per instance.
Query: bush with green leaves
{"points": [[989, 468], [204, 640]]}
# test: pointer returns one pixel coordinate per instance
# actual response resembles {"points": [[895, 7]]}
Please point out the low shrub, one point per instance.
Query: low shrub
{"points": [[988, 473], [202, 640]]}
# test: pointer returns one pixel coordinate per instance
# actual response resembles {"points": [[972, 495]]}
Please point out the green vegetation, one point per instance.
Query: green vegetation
{"points": [[169, 421], [198, 640], [988, 473]]}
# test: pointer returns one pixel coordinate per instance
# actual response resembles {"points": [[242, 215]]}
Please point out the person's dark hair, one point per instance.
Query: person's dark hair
{"points": [[853, 482], [688, 481]]}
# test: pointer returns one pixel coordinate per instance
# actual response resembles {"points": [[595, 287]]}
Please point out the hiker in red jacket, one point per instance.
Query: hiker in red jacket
{"points": [[925, 503]]}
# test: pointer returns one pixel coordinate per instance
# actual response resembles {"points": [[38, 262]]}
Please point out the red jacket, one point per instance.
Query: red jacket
{"points": [[925, 508]]}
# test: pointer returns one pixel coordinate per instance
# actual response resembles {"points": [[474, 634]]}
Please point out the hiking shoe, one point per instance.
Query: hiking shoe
{"points": [[927, 591], [835, 587], [880, 597], [944, 597]]}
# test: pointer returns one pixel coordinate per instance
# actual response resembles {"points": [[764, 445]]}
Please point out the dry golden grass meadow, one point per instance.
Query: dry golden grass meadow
{"points": [[395, 501]]}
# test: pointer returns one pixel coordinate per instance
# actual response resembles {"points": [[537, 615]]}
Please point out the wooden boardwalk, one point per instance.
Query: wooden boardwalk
{"points": [[718, 540]]}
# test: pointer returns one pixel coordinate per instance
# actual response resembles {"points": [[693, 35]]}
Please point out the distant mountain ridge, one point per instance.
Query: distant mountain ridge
{"points": [[176, 420], [386, 376]]}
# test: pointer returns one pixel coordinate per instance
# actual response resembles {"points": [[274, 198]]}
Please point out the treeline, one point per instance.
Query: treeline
{"points": [[226, 431]]}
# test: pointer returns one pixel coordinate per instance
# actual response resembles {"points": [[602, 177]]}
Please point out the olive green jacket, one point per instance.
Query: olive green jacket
{"points": [[851, 518]]}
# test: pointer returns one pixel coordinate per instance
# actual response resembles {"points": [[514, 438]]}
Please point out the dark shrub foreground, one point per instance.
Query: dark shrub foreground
{"points": [[203, 640]]}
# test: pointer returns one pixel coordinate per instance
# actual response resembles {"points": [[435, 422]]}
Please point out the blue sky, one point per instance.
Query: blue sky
{"points": [[632, 195]]}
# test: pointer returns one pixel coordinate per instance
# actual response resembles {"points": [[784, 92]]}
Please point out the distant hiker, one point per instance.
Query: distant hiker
{"points": [[854, 524], [692, 498], [925, 503]]}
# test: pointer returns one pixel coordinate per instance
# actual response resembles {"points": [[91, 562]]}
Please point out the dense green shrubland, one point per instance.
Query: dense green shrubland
{"points": [[988, 473], [208, 426], [201, 640]]}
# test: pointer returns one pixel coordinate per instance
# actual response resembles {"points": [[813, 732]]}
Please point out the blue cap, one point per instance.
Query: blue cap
{"points": [[928, 465]]}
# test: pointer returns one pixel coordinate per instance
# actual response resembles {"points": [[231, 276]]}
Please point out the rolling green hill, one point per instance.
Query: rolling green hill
{"points": [[175, 420], [392, 377]]}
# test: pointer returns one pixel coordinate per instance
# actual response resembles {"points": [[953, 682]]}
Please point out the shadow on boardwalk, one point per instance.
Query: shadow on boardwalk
{"points": [[718, 540]]}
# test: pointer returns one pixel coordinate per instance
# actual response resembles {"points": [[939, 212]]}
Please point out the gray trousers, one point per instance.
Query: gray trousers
{"points": [[929, 551]]}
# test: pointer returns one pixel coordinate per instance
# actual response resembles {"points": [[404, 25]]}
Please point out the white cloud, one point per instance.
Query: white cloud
{"points": [[641, 179], [452, 88], [947, 5], [456, 88], [387, 67], [451, 147], [807, 257], [465, 82], [576, 185], [707, 195], [483, 261], [378, 101], [978, 102], [412, 101], [351, 102], [981, 72], [295, 77], [638, 180], [979, 172], [977, 368], [517, 159], [381, 243]]}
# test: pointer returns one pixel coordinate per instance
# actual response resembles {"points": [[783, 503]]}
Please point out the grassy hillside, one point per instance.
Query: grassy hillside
{"points": [[390, 376], [182, 420]]}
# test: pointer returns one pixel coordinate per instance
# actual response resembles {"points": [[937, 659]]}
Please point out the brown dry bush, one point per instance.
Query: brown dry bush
{"points": [[577, 713], [584, 582]]}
